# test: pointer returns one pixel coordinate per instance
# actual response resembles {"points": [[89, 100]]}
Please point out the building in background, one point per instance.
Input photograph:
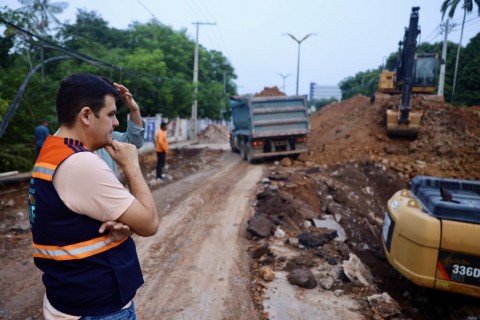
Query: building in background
{"points": [[318, 92]]}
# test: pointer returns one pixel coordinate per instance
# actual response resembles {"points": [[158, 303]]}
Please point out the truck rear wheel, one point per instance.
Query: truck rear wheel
{"points": [[232, 145], [243, 151], [249, 152]]}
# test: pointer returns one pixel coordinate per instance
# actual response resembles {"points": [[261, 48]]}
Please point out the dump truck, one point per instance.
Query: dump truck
{"points": [[431, 234], [265, 127]]}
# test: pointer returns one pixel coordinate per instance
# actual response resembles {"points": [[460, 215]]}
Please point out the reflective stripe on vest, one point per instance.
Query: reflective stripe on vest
{"points": [[43, 170], [74, 251]]}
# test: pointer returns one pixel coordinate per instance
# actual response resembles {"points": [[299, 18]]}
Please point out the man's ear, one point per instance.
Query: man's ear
{"points": [[85, 115]]}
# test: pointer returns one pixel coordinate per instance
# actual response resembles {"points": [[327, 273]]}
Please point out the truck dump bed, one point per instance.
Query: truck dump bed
{"points": [[271, 116]]}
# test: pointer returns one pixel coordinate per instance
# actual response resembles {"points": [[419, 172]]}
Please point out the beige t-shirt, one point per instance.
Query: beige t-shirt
{"points": [[98, 195]]}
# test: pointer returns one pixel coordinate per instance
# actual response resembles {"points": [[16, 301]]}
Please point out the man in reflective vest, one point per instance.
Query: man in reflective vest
{"points": [[81, 216]]}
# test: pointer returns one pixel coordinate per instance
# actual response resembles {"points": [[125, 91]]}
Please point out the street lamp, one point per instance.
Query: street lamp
{"points": [[298, 57], [284, 77]]}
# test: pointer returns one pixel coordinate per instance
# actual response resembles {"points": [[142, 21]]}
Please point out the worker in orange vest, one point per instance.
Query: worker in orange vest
{"points": [[161, 144]]}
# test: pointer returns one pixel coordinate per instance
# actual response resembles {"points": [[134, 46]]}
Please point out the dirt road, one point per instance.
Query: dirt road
{"points": [[196, 266]]}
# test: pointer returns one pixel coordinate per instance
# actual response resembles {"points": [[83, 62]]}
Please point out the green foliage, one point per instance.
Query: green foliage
{"points": [[3, 108], [451, 6], [363, 83], [154, 61], [467, 6], [318, 104], [366, 82], [468, 82], [17, 156]]}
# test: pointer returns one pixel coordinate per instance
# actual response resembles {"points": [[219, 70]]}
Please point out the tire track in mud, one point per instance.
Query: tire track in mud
{"points": [[196, 266]]}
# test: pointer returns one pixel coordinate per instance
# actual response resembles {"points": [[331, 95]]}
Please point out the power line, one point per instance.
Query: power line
{"points": [[99, 63], [153, 16], [107, 64], [203, 11]]}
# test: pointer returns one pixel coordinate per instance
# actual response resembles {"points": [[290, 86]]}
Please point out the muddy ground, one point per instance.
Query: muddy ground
{"points": [[352, 168]]}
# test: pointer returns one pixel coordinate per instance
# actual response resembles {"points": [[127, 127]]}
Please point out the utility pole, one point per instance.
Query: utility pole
{"points": [[193, 125], [441, 81], [284, 77], [222, 111]]}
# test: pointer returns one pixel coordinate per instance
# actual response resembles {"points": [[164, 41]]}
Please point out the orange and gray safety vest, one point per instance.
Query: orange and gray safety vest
{"points": [[82, 274]]}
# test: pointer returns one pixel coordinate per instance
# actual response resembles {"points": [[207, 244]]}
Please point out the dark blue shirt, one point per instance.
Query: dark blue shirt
{"points": [[41, 133]]}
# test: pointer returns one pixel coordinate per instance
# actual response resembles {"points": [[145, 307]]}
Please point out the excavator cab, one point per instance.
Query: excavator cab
{"points": [[424, 73]]}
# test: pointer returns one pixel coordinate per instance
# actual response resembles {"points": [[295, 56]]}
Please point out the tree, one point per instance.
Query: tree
{"points": [[43, 13], [468, 91], [154, 61], [467, 7], [363, 83]]}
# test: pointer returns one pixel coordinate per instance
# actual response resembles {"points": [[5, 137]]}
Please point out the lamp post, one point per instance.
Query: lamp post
{"points": [[299, 42], [284, 77]]}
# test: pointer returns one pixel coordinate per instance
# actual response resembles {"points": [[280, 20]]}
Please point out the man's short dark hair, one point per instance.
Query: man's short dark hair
{"points": [[80, 90], [163, 125], [118, 98]]}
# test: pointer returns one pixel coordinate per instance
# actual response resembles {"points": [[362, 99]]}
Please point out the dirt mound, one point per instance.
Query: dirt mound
{"points": [[270, 92], [352, 169], [214, 133], [448, 143]]}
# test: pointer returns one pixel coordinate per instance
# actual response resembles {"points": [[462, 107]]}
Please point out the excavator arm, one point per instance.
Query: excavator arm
{"points": [[407, 66], [402, 120]]}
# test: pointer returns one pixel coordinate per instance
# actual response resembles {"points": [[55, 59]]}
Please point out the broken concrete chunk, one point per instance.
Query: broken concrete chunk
{"points": [[316, 237], [338, 217], [383, 305], [327, 282], [339, 292], [10, 203], [293, 241], [330, 223], [303, 278], [260, 226], [279, 233], [356, 271]]}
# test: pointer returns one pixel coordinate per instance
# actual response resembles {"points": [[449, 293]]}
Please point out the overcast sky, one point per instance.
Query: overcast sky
{"points": [[348, 35]]}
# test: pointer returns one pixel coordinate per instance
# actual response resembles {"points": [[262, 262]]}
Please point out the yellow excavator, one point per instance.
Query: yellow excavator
{"points": [[413, 74], [431, 234]]}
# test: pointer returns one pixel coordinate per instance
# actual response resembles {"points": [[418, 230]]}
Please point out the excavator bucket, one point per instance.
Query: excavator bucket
{"points": [[395, 127]]}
